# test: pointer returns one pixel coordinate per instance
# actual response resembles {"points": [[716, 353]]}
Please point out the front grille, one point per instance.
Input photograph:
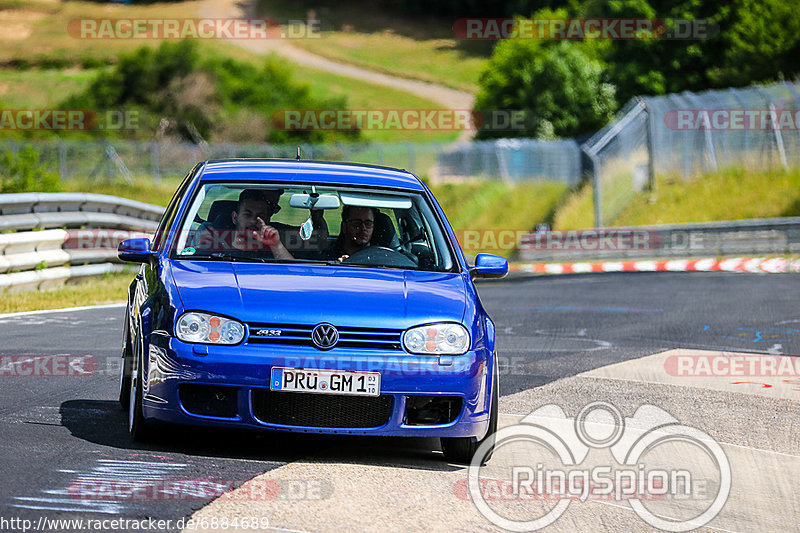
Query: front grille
{"points": [[300, 335], [322, 410]]}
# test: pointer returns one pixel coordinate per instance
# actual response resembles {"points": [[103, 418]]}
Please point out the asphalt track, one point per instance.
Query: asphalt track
{"points": [[571, 340]]}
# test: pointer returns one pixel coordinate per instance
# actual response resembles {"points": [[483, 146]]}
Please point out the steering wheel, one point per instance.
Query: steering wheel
{"points": [[380, 255]]}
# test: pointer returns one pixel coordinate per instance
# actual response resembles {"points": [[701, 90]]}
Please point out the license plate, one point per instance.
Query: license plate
{"points": [[325, 381]]}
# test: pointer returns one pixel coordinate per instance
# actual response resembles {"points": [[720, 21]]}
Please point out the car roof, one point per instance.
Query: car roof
{"points": [[310, 171]]}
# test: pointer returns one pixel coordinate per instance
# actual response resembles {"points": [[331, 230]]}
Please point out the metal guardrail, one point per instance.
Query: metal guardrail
{"points": [[57, 237], [755, 237]]}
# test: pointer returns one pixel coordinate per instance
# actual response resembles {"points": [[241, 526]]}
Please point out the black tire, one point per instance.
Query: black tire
{"points": [[461, 450], [125, 383], [137, 425], [125, 371]]}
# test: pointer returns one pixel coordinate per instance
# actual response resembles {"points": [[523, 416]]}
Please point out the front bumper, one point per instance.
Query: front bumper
{"points": [[243, 373]]}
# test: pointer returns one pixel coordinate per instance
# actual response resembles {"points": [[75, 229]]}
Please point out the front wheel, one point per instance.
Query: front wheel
{"points": [[461, 450]]}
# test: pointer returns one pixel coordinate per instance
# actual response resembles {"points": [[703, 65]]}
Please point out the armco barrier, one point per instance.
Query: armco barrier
{"points": [[78, 236], [753, 238]]}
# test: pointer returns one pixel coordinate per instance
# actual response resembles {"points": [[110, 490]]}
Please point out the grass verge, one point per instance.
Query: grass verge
{"points": [[731, 194], [40, 37], [143, 188], [110, 288], [492, 207]]}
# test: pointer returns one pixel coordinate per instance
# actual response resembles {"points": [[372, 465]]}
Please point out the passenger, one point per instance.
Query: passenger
{"points": [[248, 228], [355, 233], [251, 218]]}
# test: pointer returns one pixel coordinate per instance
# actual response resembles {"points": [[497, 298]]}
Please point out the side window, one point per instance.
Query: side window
{"points": [[172, 209]]}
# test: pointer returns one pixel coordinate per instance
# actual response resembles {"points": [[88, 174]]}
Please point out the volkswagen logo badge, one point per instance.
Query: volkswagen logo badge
{"points": [[324, 336]]}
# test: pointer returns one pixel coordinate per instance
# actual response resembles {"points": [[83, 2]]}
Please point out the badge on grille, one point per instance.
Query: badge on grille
{"points": [[324, 336]]}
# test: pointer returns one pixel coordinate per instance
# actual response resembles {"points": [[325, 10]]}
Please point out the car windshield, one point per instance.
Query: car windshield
{"points": [[299, 223]]}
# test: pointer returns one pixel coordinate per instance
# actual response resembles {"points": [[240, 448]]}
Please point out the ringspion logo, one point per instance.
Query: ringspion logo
{"points": [[674, 477]]}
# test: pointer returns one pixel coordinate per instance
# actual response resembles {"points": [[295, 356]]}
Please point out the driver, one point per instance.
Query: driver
{"points": [[358, 224]]}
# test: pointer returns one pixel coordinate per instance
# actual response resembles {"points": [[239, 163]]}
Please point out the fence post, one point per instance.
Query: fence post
{"points": [[154, 162], [62, 161], [379, 150], [651, 149], [773, 117], [598, 213], [412, 160]]}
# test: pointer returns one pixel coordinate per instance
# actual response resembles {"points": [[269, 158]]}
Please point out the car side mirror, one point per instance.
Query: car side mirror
{"points": [[489, 266], [134, 250]]}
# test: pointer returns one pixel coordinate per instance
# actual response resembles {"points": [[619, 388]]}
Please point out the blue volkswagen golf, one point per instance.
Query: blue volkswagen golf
{"points": [[311, 297]]}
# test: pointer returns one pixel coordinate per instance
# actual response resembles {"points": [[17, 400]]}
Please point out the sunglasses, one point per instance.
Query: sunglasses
{"points": [[356, 223]]}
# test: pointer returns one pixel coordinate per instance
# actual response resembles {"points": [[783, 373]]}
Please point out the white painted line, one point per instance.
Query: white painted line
{"points": [[753, 265], [705, 264], [730, 265], [64, 310], [645, 266], [627, 508], [677, 265], [553, 268]]}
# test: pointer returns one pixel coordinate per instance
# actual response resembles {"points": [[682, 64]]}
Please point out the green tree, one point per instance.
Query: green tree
{"points": [[762, 43], [737, 43], [560, 86]]}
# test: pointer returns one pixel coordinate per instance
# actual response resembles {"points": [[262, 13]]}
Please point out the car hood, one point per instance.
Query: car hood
{"points": [[309, 294]]}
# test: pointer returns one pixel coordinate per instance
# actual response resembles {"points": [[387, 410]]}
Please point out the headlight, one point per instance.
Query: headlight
{"points": [[207, 328], [436, 339]]}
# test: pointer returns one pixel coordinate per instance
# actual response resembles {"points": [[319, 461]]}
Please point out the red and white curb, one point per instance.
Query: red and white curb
{"points": [[775, 265]]}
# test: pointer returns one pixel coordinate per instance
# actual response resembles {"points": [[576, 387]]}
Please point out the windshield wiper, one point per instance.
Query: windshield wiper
{"points": [[228, 256]]}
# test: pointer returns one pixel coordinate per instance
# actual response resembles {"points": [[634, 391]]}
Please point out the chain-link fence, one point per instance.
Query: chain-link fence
{"points": [[688, 134], [513, 160], [506, 159], [682, 134], [112, 160]]}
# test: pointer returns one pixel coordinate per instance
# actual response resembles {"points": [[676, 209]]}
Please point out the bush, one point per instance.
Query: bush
{"points": [[177, 90], [24, 173]]}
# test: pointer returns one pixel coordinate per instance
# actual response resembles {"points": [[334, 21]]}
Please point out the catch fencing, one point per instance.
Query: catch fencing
{"points": [[681, 135], [49, 238], [688, 134], [112, 160], [513, 160], [506, 159]]}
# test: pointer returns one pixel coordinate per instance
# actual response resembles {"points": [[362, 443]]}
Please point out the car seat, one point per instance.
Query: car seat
{"points": [[220, 214]]}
